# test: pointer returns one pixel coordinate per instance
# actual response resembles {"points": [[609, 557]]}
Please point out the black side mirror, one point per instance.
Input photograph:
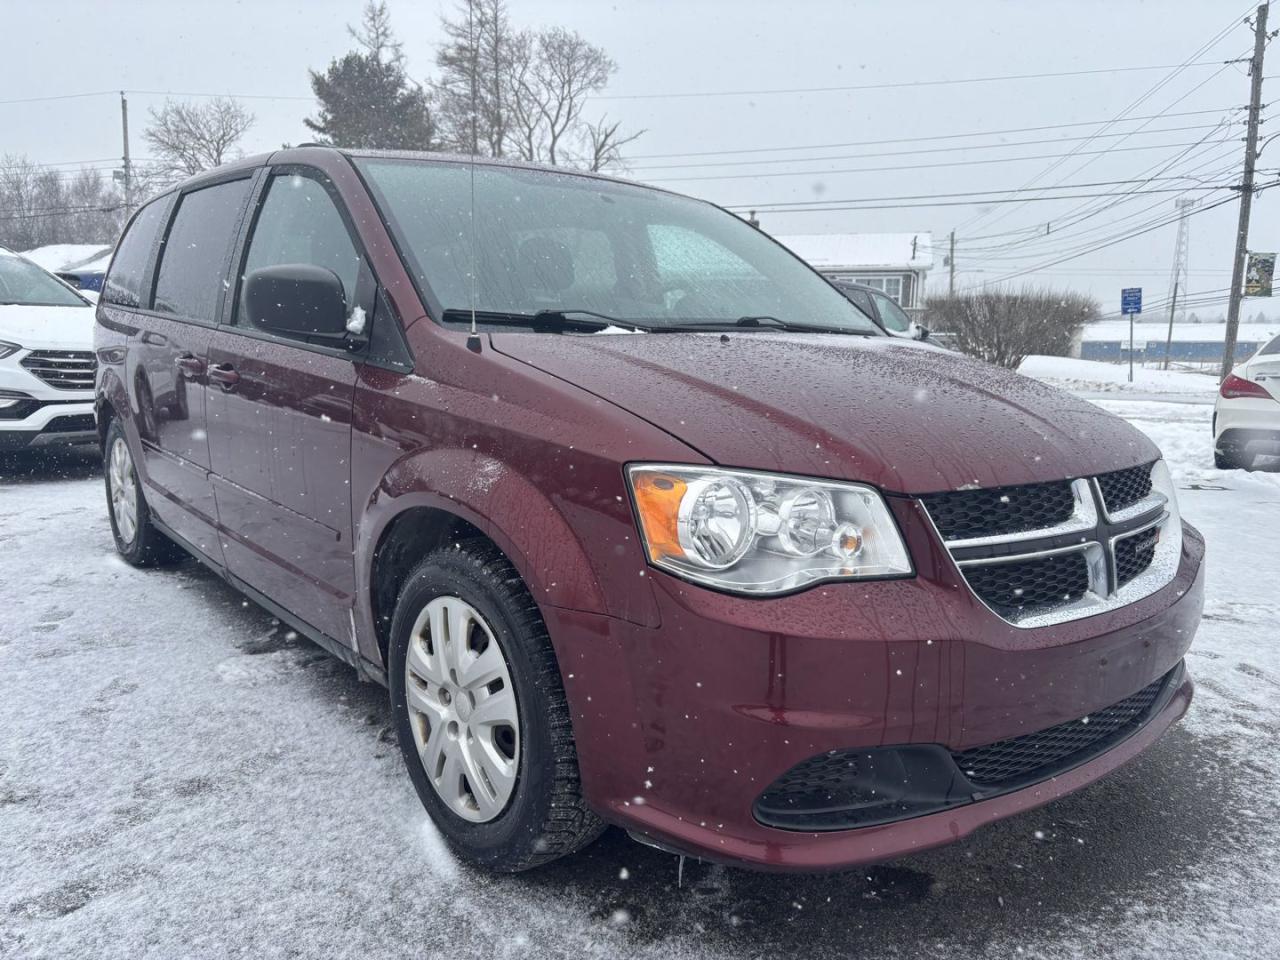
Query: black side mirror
{"points": [[297, 300], [922, 332]]}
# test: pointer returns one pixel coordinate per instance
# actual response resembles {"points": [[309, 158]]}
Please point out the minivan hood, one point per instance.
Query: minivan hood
{"points": [[904, 416], [47, 328]]}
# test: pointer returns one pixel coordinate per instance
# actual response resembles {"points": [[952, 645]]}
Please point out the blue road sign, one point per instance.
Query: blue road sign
{"points": [[1131, 300]]}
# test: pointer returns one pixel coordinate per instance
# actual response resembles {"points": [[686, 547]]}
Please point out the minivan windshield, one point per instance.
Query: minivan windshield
{"points": [[22, 282], [546, 241]]}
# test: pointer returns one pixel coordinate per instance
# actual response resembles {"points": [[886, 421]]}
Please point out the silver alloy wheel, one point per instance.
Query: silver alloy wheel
{"points": [[124, 490], [462, 709]]}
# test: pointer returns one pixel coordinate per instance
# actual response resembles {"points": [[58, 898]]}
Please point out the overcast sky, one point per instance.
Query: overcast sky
{"points": [[666, 51]]}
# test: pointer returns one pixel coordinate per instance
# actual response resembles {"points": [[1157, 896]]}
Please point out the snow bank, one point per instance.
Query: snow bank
{"points": [[1092, 375]]}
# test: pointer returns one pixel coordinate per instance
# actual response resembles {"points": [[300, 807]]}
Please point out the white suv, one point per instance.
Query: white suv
{"points": [[46, 358]]}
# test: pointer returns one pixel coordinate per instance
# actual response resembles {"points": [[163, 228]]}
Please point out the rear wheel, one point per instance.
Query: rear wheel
{"points": [[137, 538], [1229, 458], [481, 715]]}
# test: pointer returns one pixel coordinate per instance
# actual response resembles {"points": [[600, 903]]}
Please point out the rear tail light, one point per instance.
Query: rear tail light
{"points": [[1234, 388]]}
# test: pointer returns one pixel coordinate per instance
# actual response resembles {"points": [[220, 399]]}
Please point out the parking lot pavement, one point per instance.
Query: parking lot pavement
{"points": [[180, 776]]}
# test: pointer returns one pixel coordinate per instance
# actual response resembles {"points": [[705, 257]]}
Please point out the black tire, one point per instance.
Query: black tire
{"points": [[148, 547], [546, 816], [1232, 460]]}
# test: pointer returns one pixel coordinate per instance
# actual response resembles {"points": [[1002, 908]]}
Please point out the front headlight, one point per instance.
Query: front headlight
{"points": [[8, 349], [763, 533]]}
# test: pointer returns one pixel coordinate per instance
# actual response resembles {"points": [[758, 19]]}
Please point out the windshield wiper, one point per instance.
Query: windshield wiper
{"points": [[765, 320], [761, 320], [558, 320]]}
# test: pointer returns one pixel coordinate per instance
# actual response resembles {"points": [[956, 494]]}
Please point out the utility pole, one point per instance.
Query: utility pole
{"points": [[951, 260], [128, 167], [1168, 342], [1246, 189]]}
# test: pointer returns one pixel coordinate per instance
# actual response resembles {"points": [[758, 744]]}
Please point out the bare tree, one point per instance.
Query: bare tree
{"points": [[564, 71], [39, 205], [605, 144], [507, 92], [475, 62], [524, 119], [1005, 327], [191, 137]]}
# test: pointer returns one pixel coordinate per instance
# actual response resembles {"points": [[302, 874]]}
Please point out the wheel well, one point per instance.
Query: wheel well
{"points": [[410, 537], [104, 415]]}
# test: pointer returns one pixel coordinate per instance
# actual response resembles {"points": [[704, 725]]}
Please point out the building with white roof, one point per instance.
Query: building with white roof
{"points": [[896, 263]]}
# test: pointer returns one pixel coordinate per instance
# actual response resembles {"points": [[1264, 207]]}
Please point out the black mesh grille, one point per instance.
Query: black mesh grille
{"points": [[962, 514], [1134, 554], [1038, 755], [1124, 488], [1055, 579], [77, 423], [820, 782]]}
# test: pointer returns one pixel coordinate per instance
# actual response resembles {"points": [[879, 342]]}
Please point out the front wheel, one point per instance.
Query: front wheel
{"points": [[481, 715]]}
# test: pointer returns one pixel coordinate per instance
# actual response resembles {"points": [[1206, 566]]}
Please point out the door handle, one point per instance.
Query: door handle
{"points": [[190, 365], [225, 375]]}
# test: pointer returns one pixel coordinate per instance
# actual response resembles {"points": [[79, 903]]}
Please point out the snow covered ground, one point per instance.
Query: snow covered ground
{"points": [[181, 778]]}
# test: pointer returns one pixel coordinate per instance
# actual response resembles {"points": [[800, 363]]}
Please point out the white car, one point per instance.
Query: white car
{"points": [[46, 359], [1246, 417]]}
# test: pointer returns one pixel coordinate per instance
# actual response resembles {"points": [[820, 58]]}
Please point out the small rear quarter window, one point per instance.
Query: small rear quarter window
{"points": [[125, 283]]}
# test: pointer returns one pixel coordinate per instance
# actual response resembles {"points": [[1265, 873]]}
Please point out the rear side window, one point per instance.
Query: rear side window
{"points": [[892, 315], [861, 299], [299, 223], [193, 263], [1270, 348], [126, 281]]}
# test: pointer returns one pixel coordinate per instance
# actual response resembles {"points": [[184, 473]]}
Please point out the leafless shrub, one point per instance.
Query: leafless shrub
{"points": [[1004, 327]]}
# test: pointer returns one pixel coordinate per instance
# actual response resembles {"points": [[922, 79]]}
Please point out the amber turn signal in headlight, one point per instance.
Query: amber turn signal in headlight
{"points": [[763, 533]]}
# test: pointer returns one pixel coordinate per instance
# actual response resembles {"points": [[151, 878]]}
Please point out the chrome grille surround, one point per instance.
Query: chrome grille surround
{"points": [[63, 369], [1093, 532]]}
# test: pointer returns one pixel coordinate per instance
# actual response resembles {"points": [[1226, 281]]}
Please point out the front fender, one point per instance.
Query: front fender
{"points": [[523, 521]]}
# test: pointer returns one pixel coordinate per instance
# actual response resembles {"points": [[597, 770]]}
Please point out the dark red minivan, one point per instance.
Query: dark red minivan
{"points": [[640, 520]]}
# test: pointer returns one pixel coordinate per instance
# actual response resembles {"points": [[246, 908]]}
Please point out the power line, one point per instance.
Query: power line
{"points": [[1103, 245], [903, 83], [768, 206], [968, 203], [675, 95], [1131, 133], [904, 153], [61, 211], [1027, 246], [1152, 91], [1082, 247], [917, 166], [940, 136], [153, 93]]}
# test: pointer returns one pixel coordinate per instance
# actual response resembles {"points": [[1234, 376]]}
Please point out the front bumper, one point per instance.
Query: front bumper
{"points": [[681, 728], [48, 423]]}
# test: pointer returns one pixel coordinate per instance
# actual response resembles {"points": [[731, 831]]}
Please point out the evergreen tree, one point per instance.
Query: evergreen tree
{"points": [[366, 99]]}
